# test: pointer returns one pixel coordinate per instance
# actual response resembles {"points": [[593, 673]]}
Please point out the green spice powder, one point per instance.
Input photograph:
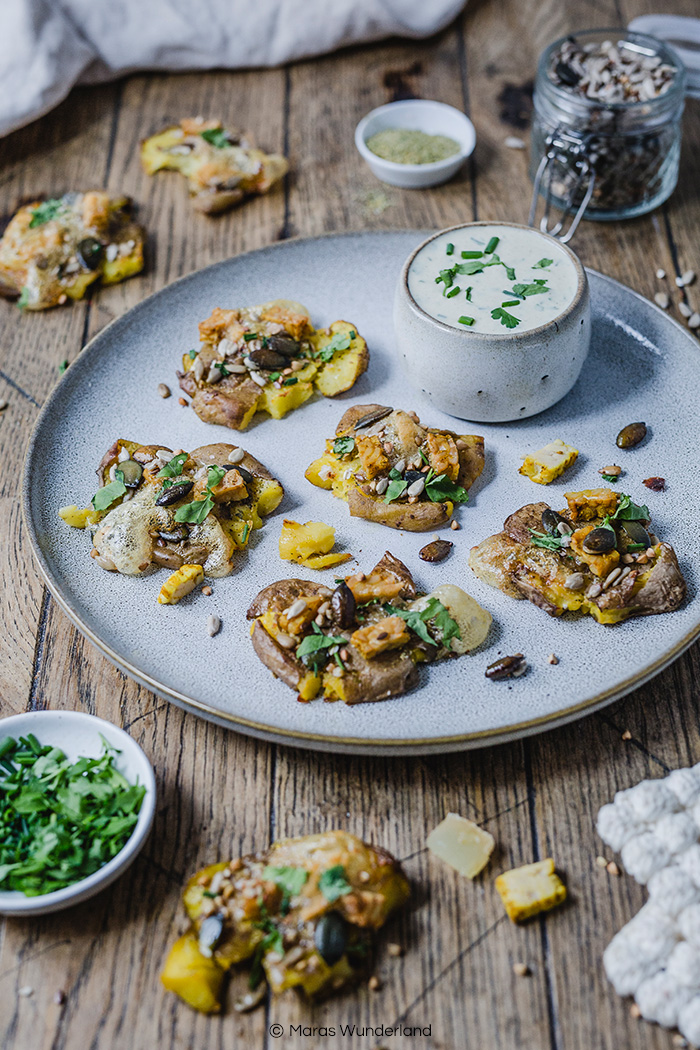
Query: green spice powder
{"points": [[404, 146]]}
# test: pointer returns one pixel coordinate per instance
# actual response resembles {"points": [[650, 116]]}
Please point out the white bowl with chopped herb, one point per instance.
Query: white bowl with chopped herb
{"points": [[415, 143], [78, 799]]}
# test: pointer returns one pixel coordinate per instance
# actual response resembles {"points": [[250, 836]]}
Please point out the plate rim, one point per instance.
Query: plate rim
{"points": [[295, 737]]}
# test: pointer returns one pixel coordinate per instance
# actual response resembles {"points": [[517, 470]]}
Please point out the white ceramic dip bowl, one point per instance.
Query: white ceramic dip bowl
{"points": [[488, 368]]}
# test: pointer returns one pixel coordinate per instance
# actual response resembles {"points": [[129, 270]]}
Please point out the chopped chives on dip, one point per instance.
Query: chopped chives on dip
{"points": [[492, 245], [60, 821], [449, 250], [407, 146], [466, 320]]}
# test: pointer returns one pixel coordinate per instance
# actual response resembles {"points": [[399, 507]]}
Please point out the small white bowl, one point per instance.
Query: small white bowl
{"points": [[78, 735], [434, 118]]}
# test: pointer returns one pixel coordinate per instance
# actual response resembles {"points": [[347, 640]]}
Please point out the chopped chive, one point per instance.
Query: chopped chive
{"points": [[492, 245], [468, 294], [511, 302], [250, 335], [466, 320], [472, 255], [449, 250], [453, 291]]}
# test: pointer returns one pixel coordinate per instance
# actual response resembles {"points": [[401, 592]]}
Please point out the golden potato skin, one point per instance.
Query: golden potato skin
{"points": [[277, 929]]}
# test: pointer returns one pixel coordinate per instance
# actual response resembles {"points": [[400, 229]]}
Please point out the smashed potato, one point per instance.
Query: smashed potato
{"points": [[549, 462], [310, 544]]}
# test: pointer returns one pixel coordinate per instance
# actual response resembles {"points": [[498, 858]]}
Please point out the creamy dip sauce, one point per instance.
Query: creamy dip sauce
{"points": [[533, 276]]}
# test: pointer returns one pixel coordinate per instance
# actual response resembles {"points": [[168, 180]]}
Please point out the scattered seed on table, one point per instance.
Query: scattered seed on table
{"points": [[513, 142], [183, 401], [601, 862], [3, 404], [684, 310], [374, 984], [207, 590], [694, 321], [688, 277], [635, 1011], [626, 735], [521, 969], [661, 299], [553, 658], [454, 525], [164, 390], [395, 950], [213, 625], [660, 274], [612, 868], [59, 997], [26, 991]]}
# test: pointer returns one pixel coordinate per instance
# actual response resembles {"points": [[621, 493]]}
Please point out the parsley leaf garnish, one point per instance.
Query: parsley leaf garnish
{"points": [[173, 468], [216, 137], [312, 648], [333, 883], [343, 446], [499, 314], [272, 941], [290, 880], [340, 341], [525, 290], [542, 264], [46, 211], [439, 487], [109, 494], [417, 618], [629, 511], [550, 543], [196, 511]]}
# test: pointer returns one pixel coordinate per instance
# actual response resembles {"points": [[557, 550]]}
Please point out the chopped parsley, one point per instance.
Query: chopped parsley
{"points": [[173, 468], [629, 511], [46, 211], [612, 479], [290, 880], [340, 341], [524, 290], [272, 941], [542, 264], [333, 883], [23, 298], [216, 137], [550, 543], [109, 494], [397, 486], [343, 446], [416, 619], [192, 354], [60, 821], [499, 314], [314, 648]]}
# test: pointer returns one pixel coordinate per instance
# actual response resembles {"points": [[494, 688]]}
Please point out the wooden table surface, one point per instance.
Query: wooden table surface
{"points": [[220, 793]]}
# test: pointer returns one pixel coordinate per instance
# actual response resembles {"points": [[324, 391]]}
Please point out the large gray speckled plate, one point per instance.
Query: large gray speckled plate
{"points": [[642, 366]]}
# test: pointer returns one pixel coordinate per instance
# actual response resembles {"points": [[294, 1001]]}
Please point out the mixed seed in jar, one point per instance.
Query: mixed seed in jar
{"points": [[607, 111]]}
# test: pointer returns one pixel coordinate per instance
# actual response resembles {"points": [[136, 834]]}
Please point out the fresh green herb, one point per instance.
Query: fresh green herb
{"points": [[215, 475], [249, 336], [290, 880], [469, 268], [636, 546], [340, 341], [312, 649], [511, 302], [466, 320], [60, 821], [416, 619], [62, 367], [524, 290], [472, 255], [173, 468], [108, 494], [629, 511], [499, 314], [468, 294], [23, 298], [447, 276], [397, 486], [246, 531], [543, 264], [45, 212], [274, 376], [343, 446], [439, 487], [611, 478], [193, 354], [449, 250], [272, 941], [423, 456], [196, 511], [222, 368], [333, 883], [208, 893], [510, 272], [455, 290], [492, 245], [290, 382], [216, 137], [550, 543]]}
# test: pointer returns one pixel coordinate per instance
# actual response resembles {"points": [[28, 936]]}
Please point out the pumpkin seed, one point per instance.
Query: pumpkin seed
{"points": [[343, 605], [90, 253], [372, 417], [173, 494], [132, 472], [600, 541], [631, 435], [331, 937], [507, 667]]}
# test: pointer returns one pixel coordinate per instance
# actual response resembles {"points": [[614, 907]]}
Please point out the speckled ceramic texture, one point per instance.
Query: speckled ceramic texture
{"points": [[493, 378], [642, 366]]}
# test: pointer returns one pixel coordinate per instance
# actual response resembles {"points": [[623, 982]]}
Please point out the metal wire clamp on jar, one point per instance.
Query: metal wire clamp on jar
{"points": [[604, 160]]}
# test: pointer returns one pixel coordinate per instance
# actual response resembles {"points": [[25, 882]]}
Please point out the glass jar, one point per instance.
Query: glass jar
{"points": [[631, 149]]}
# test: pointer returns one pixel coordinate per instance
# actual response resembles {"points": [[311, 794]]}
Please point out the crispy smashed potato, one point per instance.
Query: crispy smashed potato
{"points": [[310, 544]]}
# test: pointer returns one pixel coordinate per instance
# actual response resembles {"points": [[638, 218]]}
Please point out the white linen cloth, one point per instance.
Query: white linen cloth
{"points": [[47, 46]]}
